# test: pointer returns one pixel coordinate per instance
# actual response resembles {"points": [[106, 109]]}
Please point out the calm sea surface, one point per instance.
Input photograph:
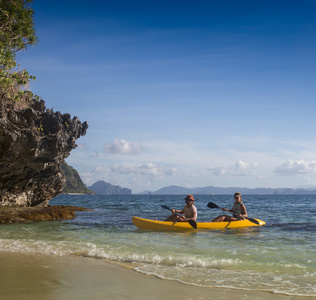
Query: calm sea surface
{"points": [[279, 257]]}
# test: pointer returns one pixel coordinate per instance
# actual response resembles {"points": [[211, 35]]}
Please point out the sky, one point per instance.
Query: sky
{"points": [[189, 93]]}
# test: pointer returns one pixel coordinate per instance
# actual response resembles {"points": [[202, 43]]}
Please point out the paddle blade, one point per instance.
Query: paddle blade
{"points": [[166, 207], [212, 205], [253, 221], [193, 223]]}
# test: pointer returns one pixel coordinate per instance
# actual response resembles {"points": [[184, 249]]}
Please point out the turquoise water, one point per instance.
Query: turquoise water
{"points": [[279, 257]]}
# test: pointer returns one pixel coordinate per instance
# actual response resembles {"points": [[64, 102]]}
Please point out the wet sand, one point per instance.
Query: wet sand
{"points": [[39, 277]]}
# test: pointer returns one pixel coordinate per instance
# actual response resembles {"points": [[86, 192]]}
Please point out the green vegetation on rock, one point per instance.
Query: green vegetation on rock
{"points": [[17, 32]]}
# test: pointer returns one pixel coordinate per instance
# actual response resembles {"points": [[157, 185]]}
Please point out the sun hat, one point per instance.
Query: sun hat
{"points": [[237, 195], [189, 197]]}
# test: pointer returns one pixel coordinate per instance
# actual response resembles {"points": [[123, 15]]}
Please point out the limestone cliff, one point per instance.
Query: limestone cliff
{"points": [[34, 142]]}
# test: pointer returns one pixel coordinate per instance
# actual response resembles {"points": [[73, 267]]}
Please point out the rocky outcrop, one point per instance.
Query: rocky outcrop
{"points": [[34, 142], [10, 215]]}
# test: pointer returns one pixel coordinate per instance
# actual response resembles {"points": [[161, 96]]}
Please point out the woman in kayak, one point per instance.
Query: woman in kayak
{"points": [[239, 211], [189, 211]]}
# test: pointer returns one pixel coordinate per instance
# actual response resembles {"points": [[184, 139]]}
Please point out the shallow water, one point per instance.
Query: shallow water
{"points": [[279, 257]]}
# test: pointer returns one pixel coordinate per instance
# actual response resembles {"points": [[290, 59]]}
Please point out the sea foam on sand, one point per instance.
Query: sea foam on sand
{"points": [[43, 277]]}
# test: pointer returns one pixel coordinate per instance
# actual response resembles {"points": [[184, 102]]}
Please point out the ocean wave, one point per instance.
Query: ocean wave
{"points": [[233, 279], [113, 253]]}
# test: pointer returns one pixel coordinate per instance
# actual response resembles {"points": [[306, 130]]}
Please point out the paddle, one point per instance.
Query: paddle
{"points": [[213, 205], [191, 222]]}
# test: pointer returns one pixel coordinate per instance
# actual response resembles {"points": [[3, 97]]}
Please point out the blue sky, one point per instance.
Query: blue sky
{"points": [[190, 93]]}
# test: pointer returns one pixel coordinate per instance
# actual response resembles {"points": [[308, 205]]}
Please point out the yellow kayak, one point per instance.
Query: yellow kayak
{"points": [[184, 226]]}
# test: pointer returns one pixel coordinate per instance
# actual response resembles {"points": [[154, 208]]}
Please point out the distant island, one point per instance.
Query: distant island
{"points": [[209, 190], [104, 188]]}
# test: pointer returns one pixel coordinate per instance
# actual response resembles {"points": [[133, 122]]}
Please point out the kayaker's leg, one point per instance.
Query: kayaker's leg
{"points": [[219, 219], [224, 218], [173, 218]]}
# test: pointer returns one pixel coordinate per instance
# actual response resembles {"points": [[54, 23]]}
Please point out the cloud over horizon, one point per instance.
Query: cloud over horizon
{"points": [[123, 147], [143, 169], [241, 168], [291, 167]]}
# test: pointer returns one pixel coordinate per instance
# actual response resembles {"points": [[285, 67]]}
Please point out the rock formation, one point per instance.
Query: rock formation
{"points": [[10, 214], [34, 142]]}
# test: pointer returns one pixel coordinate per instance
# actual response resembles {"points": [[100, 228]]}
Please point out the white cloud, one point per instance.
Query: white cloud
{"points": [[123, 147], [296, 167], [100, 170], [94, 154], [143, 169], [239, 169]]}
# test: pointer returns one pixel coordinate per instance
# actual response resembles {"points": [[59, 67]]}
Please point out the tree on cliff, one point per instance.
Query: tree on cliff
{"points": [[16, 33]]}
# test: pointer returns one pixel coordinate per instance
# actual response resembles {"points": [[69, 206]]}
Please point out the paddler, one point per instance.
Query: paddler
{"points": [[239, 211], [189, 211]]}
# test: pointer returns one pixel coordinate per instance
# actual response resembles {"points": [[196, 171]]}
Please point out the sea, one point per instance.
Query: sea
{"points": [[279, 257]]}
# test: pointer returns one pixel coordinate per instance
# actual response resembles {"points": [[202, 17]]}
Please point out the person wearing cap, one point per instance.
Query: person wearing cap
{"points": [[239, 211], [189, 211]]}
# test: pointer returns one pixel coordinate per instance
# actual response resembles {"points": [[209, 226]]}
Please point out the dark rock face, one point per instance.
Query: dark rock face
{"points": [[34, 143]]}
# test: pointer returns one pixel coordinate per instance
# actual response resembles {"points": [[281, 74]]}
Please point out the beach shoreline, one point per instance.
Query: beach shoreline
{"points": [[48, 277]]}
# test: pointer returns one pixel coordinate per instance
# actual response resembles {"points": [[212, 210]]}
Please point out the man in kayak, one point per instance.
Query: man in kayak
{"points": [[189, 211], [239, 211]]}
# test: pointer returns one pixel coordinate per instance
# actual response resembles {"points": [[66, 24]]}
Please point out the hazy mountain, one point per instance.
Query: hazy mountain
{"points": [[104, 188], [178, 190]]}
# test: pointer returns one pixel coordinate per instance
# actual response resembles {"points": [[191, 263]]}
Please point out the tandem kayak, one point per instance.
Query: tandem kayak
{"points": [[184, 226]]}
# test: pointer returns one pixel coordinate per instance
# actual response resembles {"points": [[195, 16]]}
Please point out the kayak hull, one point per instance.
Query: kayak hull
{"points": [[146, 224]]}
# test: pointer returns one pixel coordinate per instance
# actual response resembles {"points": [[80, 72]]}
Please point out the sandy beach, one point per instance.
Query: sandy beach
{"points": [[39, 277]]}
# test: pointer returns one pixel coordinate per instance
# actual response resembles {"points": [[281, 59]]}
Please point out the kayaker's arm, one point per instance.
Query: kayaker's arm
{"points": [[177, 211], [225, 209], [244, 211], [242, 215]]}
